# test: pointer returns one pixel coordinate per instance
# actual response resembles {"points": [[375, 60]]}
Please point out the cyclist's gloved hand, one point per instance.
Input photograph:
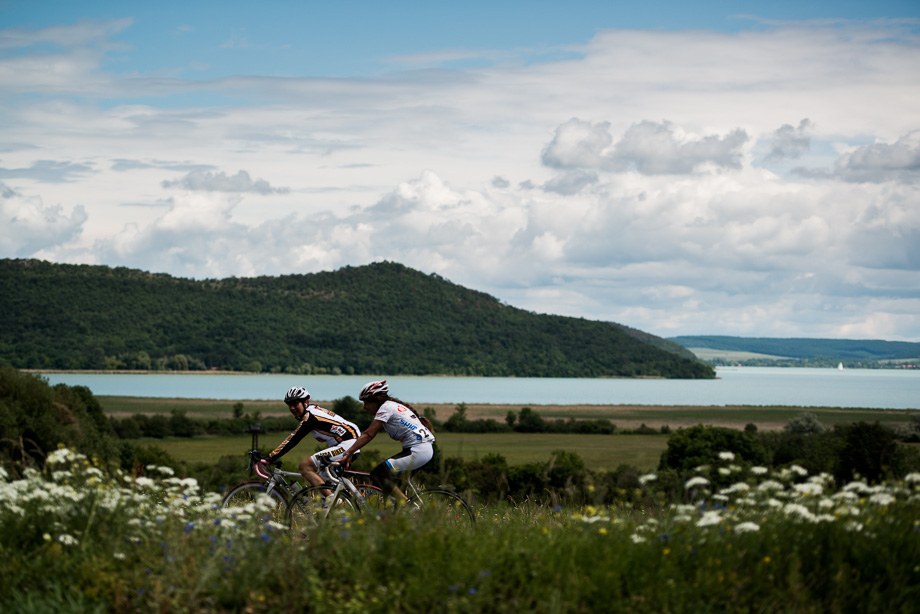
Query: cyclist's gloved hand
{"points": [[261, 468]]}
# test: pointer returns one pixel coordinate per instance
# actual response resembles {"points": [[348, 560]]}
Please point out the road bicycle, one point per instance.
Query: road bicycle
{"points": [[278, 489], [312, 506]]}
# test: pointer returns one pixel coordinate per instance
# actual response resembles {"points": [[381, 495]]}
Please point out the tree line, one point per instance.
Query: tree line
{"points": [[379, 318]]}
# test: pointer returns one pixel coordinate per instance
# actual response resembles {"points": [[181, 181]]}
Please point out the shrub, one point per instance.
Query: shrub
{"points": [[701, 445], [807, 423]]}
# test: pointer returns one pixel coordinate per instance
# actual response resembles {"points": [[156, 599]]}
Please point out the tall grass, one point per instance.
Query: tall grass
{"points": [[74, 538]]}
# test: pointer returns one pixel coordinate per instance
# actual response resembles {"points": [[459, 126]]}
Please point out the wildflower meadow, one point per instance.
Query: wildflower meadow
{"points": [[77, 538]]}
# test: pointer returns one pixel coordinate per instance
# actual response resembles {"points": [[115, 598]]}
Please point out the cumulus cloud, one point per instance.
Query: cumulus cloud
{"points": [[578, 144], [571, 182], [27, 225], [651, 148], [790, 142], [879, 162], [205, 181]]}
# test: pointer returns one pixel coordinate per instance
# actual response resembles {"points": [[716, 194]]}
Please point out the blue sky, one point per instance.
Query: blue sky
{"points": [[708, 168]]}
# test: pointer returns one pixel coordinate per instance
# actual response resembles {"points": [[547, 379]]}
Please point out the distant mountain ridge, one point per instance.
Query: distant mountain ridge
{"points": [[383, 318], [842, 349]]}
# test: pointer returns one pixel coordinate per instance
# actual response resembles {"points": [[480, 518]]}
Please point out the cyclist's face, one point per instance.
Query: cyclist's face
{"points": [[371, 405], [297, 409]]}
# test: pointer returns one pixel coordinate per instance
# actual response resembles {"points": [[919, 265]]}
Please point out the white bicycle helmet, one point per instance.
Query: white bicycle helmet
{"points": [[372, 388], [296, 394]]}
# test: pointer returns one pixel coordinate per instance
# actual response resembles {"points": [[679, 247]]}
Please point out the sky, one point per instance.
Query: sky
{"points": [[726, 168]]}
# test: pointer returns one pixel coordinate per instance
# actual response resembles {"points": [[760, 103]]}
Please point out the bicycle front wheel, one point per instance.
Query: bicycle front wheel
{"points": [[445, 506], [252, 498], [310, 508]]}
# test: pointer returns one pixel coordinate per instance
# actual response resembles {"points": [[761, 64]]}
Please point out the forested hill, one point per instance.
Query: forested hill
{"points": [[837, 349], [382, 318]]}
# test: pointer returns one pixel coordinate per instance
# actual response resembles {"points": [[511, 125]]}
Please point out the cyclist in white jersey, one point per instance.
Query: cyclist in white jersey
{"points": [[402, 423], [326, 427]]}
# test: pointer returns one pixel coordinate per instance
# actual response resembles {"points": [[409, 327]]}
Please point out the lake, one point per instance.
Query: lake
{"points": [[758, 386]]}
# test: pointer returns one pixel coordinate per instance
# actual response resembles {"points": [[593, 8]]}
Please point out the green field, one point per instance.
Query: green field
{"points": [[598, 451]]}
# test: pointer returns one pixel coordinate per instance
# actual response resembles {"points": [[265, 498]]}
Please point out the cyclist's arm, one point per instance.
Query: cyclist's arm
{"points": [[369, 433], [292, 440]]}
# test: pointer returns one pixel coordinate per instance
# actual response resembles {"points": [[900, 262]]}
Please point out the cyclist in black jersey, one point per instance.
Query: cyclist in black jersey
{"points": [[325, 426]]}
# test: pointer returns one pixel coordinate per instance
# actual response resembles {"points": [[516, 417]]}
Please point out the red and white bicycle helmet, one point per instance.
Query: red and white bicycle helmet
{"points": [[373, 388], [296, 394]]}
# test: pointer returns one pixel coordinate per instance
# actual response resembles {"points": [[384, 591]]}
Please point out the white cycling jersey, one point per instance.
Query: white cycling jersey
{"points": [[403, 425]]}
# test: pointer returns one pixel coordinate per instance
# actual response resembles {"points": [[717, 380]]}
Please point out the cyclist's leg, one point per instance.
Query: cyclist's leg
{"points": [[403, 462], [309, 468]]}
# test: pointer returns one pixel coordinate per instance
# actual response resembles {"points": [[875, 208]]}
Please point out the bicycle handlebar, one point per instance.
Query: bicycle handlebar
{"points": [[254, 463]]}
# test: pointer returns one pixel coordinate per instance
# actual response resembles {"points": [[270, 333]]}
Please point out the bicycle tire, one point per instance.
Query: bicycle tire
{"points": [[306, 511], [246, 496], [445, 506]]}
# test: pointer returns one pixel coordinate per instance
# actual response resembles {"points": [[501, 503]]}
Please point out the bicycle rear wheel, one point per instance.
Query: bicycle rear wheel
{"points": [[309, 509], [444, 506], [252, 498]]}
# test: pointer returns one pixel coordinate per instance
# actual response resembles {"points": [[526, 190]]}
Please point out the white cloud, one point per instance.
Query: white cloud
{"points": [[651, 148], [789, 142], [27, 225], [880, 162], [620, 185], [206, 181]]}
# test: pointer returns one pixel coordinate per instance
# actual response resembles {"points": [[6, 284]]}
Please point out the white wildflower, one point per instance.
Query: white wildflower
{"points": [[737, 487], [759, 470], [724, 471], [768, 485], [726, 456], [882, 498], [709, 518], [637, 539], [801, 471], [809, 489], [857, 486], [694, 482], [912, 478], [746, 527], [648, 477], [794, 509], [68, 540]]}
